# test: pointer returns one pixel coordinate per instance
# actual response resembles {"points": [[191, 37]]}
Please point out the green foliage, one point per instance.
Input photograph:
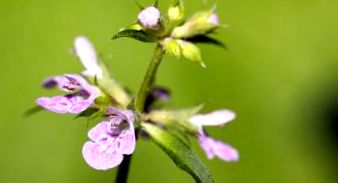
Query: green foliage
{"points": [[179, 152], [204, 39], [135, 34]]}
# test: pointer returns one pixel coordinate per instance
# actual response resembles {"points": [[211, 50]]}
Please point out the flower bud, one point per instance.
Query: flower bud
{"points": [[172, 47], [175, 13], [149, 17], [201, 23], [178, 48]]}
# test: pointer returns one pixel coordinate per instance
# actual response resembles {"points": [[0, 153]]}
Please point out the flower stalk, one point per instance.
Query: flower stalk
{"points": [[149, 78], [148, 81]]}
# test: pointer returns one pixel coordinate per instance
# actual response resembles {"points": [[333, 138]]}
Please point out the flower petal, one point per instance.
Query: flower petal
{"points": [[100, 129], [64, 104], [205, 145], [58, 104], [100, 160], [225, 151], [58, 81], [217, 148], [87, 55], [216, 118], [128, 140]]}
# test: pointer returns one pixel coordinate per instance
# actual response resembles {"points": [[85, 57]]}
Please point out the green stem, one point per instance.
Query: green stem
{"points": [[149, 78], [122, 173]]}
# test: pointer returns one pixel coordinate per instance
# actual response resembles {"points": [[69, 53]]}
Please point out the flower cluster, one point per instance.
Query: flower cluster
{"points": [[96, 93]]}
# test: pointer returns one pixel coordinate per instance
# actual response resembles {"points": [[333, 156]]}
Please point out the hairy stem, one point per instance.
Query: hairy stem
{"points": [[149, 78], [122, 173]]}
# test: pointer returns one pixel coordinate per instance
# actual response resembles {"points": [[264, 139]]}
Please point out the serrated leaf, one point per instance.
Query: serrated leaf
{"points": [[207, 40], [135, 34], [180, 153]]}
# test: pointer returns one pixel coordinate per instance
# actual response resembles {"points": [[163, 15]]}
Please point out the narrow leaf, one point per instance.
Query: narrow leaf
{"points": [[179, 152], [135, 34], [207, 40]]}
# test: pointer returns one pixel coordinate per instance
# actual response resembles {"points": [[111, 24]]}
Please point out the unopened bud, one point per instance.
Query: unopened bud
{"points": [[201, 23], [175, 13], [149, 17]]}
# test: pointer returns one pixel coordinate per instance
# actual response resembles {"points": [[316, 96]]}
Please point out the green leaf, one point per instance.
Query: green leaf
{"points": [[135, 34], [179, 152], [207, 40]]}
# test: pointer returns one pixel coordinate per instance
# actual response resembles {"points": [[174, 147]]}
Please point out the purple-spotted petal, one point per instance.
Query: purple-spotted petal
{"points": [[111, 139], [128, 140], [64, 104], [58, 81], [99, 130], [100, 159], [87, 55], [58, 104], [216, 118]]}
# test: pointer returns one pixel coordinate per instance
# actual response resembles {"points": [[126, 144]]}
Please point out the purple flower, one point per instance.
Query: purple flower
{"points": [[87, 55], [149, 17], [211, 146], [80, 95], [110, 140]]}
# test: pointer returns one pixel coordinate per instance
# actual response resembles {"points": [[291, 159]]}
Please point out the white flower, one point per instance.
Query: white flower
{"points": [[87, 55]]}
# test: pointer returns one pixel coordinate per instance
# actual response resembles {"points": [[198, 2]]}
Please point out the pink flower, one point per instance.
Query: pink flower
{"points": [[211, 146], [110, 140], [149, 17], [80, 95]]}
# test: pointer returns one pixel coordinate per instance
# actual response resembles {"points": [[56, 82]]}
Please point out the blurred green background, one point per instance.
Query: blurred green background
{"points": [[280, 74]]}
